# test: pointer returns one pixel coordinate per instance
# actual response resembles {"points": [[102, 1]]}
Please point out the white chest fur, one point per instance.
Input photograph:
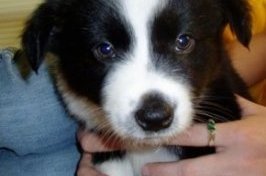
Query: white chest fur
{"points": [[132, 163]]}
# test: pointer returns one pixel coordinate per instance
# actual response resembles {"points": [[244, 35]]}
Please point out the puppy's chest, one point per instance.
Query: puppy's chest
{"points": [[132, 163]]}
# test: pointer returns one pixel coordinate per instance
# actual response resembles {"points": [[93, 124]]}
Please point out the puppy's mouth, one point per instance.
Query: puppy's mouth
{"points": [[139, 139], [153, 120], [154, 123], [116, 142]]}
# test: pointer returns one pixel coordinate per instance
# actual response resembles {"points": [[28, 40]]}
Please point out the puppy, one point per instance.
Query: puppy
{"points": [[139, 71]]}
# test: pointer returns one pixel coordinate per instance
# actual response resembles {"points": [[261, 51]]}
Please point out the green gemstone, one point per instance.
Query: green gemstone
{"points": [[211, 125]]}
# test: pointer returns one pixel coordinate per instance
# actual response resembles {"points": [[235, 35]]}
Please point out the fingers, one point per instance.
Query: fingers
{"points": [[92, 143], [225, 134], [207, 166], [86, 168], [198, 135]]}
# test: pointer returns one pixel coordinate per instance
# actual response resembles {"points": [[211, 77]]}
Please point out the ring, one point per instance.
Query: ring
{"points": [[211, 126]]}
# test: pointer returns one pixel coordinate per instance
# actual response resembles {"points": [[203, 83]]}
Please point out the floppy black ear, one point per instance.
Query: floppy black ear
{"points": [[37, 33], [238, 16]]}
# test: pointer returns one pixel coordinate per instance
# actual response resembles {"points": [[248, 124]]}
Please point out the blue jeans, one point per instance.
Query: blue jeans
{"points": [[37, 137]]}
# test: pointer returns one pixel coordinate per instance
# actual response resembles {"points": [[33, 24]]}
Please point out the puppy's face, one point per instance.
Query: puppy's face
{"points": [[134, 67]]}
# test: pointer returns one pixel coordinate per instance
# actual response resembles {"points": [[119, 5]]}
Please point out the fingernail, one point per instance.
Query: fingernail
{"points": [[145, 171]]}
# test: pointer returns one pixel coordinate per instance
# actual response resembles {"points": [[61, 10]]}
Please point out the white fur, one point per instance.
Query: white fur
{"points": [[132, 164], [135, 77], [124, 87], [141, 158], [132, 79], [117, 168]]}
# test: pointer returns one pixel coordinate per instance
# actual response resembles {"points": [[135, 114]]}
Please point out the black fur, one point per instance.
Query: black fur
{"points": [[70, 29]]}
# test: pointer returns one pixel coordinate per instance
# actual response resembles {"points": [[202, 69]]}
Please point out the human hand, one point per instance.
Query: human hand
{"points": [[241, 148], [85, 167], [86, 140]]}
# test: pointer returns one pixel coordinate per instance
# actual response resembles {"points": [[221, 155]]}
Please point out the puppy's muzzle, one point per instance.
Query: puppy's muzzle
{"points": [[155, 113]]}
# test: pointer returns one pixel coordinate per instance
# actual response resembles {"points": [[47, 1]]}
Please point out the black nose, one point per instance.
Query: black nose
{"points": [[154, 114]]}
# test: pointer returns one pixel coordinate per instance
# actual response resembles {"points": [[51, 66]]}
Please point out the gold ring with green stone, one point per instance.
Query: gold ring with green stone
{"points": [[211, 126]]}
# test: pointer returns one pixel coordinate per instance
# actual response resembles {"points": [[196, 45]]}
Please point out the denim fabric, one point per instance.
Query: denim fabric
{"points": [[37, 137]]}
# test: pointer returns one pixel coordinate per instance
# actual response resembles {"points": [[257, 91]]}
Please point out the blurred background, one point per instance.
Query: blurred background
{"points": [[13, 14]]}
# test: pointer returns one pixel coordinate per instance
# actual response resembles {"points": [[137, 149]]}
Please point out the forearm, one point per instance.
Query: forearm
{"points": [[250, 63]]}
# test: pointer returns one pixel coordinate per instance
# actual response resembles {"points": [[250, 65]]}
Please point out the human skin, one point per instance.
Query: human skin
{"points": [[241, 145], [241, 148], [250, 62]]}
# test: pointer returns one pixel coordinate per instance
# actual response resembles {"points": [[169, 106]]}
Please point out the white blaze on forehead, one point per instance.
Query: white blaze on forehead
{"points": [[139, 14], [129, 80]]}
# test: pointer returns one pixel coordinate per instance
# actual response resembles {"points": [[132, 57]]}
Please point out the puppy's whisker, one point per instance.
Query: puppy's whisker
{"points": [[214, 111], [213, 106], [211, 97], [209, 115]]}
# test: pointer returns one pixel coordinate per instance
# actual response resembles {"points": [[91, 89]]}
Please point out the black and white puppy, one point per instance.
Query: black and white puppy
{"points": [[141, 70]]}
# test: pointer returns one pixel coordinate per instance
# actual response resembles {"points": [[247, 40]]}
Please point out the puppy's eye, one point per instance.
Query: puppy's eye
{"points": [[104, 50], [184, 44]]}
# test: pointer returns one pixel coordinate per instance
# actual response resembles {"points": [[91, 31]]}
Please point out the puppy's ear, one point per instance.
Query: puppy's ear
{"points": [[37, 34], [237, 13]]}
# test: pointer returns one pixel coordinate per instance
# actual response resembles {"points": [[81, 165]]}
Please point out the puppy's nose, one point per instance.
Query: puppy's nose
{"points": [[154, 114]]}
